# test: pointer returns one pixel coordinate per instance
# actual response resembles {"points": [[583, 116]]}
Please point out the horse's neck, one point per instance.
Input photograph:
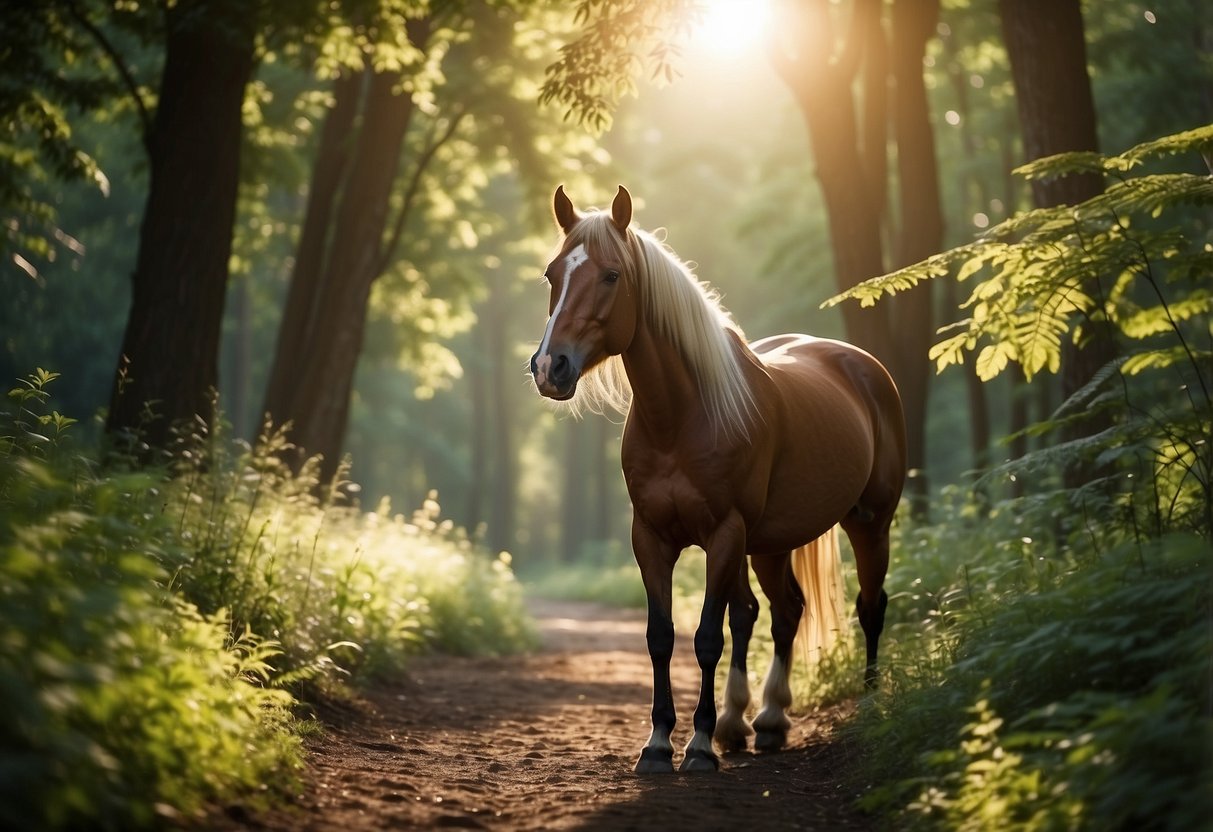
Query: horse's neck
{"points": [[664, 388]]}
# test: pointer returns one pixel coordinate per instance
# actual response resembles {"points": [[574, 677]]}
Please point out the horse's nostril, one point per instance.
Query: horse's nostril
{"points": [[561, 369], [534, 365]]}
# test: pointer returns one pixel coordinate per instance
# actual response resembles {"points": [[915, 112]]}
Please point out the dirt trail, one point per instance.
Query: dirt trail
{"points": [[547, 741]]}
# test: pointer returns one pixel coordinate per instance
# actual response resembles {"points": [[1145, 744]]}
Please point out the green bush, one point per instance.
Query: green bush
{"points": [[338, 587], [122, 704], [1085, 703], [156, 625], [1051, 656]]}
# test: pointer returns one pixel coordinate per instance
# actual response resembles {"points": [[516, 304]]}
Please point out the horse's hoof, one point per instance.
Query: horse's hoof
{"points": [[733, 745], [655, 761], [733, 738], [767, 741], [696, 760]]}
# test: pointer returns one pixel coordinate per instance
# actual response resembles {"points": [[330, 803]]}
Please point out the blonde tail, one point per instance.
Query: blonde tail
{"points": [[818, 569]]}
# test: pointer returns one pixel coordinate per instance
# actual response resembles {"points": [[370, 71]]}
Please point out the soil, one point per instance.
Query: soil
{"points": [[547, 741]]}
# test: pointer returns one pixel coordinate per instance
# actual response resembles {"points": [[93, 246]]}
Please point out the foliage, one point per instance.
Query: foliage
{"points": [[124, 705], [1049, 657], [50, 71], [599, 66], [157, 625], [341, 589], [1056, 693], [1040, 266], [1054, 274]]}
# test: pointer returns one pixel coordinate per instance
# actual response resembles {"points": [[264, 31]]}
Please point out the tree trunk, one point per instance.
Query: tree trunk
{"points": [[318, 348], [606, 464], [1047, 49], [302, 310], [574, 519], [822, 89], [170, 350], [921, 227], [478, 384], [502, 522]]}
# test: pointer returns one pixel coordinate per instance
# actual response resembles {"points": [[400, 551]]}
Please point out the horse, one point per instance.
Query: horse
{"points": [[757, 450]]}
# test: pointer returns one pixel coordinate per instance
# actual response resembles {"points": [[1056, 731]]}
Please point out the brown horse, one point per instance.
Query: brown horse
{"points": [[758, 450]]}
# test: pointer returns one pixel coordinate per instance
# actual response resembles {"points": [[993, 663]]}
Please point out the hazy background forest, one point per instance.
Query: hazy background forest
{"points": [[717, 154]]}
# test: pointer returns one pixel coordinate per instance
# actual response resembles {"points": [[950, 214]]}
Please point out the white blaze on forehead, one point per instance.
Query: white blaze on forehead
{"points": [[575, 258]]}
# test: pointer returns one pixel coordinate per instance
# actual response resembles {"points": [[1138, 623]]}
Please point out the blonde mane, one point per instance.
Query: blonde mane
{"points": [[680, 308]]}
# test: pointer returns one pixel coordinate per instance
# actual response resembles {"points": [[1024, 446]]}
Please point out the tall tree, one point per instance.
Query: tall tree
{"points": [[169, 360], [387, 134], [1047, 49], [341, 252]]}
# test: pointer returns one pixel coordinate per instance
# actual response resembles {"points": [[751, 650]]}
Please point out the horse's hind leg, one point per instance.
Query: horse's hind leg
{"points": [[732, 730], [787, 604], [870, 540]]}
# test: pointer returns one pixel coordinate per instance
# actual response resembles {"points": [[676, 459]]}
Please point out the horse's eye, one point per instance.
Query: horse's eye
{"points": [[611, 277]]}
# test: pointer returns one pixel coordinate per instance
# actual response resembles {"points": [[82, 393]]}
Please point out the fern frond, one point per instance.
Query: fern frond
{"points": [[1198, 140], [1082, 397]]}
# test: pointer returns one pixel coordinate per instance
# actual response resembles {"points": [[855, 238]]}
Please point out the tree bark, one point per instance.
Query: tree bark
{"points": [[343, 249], [1047, 50], [822, 89], [170, 349], [339, 258], [921, 219], [574, 519], [302, 311], [501, 531]]}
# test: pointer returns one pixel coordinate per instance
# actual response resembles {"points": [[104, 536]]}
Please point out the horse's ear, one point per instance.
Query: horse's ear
{"points": [[566, 214], [621, 210]]}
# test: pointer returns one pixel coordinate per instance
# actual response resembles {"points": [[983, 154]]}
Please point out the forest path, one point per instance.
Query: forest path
{"points": [[547, 741]]}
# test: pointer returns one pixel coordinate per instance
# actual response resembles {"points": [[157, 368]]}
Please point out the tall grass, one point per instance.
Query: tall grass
{"points": [[157, 626], [333, 584]]}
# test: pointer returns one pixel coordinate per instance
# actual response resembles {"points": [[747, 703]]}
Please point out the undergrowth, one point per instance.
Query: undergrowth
{"points": [[158, 626], [1048, 660], [1046, 691]]}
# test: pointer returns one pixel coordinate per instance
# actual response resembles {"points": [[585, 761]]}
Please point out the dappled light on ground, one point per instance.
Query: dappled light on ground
{"points": [[547, 741]]}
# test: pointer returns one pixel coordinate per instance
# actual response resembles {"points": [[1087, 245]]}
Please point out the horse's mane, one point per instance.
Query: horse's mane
{"points": [[679, 307]]}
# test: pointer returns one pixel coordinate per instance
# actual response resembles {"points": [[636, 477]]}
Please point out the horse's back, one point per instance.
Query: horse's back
{"points": [[803, 365]]}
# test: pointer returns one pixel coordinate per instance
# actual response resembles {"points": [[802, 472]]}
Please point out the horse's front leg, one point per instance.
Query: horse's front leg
{"points": [[726, 554], [656, 560]]}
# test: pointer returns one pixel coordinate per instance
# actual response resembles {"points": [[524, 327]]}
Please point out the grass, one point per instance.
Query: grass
{"points": [[158, 626]]}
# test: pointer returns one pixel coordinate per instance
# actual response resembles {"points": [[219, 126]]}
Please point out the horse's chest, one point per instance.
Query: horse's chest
{"points": [[677, 501]]}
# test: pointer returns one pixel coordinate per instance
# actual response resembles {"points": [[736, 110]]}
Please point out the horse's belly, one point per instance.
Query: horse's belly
{"points": [[797, 519]]}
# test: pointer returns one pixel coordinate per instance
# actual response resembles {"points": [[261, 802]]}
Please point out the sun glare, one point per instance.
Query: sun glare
{"points": [[730, 27]]}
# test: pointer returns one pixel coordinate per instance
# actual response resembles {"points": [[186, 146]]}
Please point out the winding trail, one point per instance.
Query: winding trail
{"points": [[547, 741]]}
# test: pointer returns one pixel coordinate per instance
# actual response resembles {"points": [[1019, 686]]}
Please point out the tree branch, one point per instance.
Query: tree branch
{"points": [[128, 80], [414, 185]]}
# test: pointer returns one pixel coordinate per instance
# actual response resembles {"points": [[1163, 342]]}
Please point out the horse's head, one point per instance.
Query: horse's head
{"points": [[592, 305]]}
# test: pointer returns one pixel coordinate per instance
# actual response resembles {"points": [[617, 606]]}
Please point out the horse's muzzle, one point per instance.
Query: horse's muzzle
{"points": [[556, 373]]}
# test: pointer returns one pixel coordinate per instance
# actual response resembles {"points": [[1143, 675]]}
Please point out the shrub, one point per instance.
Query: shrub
{"points": [[156, 626], [122, 704]]}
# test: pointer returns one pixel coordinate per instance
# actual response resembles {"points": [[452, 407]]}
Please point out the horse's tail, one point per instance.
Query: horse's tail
{"points": [[818, 569]]}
